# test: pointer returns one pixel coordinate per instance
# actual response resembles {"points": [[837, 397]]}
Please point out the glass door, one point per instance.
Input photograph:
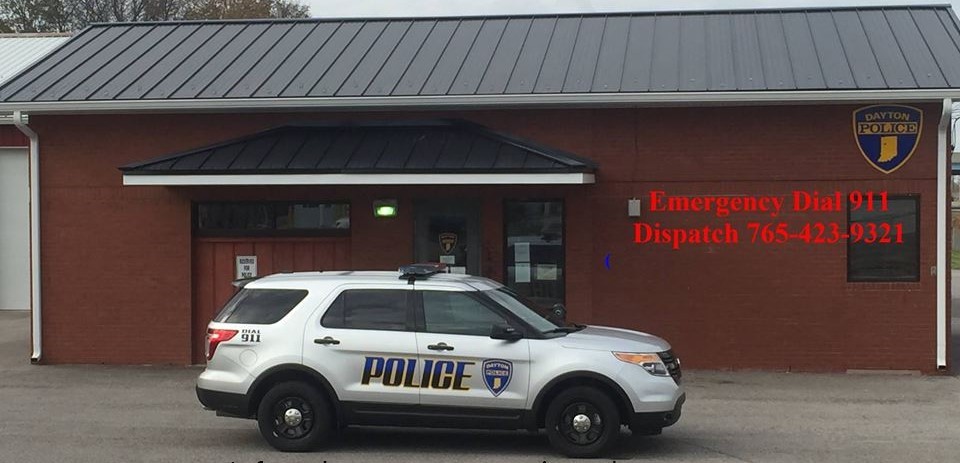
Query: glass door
{"points": [[448, 231], [534, 250]]}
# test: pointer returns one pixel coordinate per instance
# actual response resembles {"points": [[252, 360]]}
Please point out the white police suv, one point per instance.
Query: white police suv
{"points": [[308, 353]]}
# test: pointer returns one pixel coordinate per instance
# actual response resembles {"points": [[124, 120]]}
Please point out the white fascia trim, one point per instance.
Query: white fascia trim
{"points": [[467, 101], [360, 179], [943, 203]]}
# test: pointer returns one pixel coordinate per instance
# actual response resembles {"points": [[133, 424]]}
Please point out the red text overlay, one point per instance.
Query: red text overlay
{"points": [[885, 230]]}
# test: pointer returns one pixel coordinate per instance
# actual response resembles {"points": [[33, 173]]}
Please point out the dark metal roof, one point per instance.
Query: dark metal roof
{"points": [[435, 147], [915, 47]]}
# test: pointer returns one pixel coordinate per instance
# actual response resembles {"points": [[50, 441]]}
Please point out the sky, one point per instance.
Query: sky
{"points": [[367, 8]]}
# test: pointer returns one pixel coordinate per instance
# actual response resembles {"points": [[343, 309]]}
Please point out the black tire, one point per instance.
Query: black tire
{"points": [[604, 422], [316, 421]]}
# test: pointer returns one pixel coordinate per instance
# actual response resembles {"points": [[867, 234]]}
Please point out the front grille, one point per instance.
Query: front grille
{"points": [[672, 363]]}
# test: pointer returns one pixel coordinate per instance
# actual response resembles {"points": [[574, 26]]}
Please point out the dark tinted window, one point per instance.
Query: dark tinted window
{"points": [[884, 245], [271, 218], [457, 313], [260, 306], [369, 309]]}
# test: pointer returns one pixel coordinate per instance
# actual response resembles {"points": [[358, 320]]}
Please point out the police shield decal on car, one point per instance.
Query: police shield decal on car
{"points": [[887, 135], [496, 375]]}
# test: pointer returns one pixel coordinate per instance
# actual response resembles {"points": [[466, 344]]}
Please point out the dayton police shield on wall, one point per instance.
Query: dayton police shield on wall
{"points": [[447, 242], [887, 135], [496, 375]]}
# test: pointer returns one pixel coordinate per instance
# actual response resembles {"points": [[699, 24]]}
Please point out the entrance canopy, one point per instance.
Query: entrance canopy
{"points": [[367, 153]]}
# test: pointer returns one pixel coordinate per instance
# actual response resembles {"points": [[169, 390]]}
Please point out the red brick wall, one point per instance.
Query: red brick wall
{"points": [[117, 259], [11, 136]]}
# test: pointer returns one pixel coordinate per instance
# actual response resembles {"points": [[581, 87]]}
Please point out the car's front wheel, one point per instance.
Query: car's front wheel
{"points": [[582, 422], [294, 417]]}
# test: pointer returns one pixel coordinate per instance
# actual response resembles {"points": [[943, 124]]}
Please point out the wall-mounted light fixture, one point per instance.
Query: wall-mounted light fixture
{"points": [[385, 208], [633, 207]]}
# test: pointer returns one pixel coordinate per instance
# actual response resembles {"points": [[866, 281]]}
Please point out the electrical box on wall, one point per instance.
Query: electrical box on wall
{"points": [[633, 207]]}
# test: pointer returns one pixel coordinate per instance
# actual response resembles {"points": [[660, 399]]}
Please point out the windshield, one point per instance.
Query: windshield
{"points": [[521, 308]]}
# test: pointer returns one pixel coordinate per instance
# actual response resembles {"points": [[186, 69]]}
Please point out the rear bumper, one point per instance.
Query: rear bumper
{"points": [[225, 403], [648, 420]]}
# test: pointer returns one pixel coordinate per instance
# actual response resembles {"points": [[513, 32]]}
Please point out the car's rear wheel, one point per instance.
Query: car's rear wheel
{"points": [[294, 417], [582, 422]]}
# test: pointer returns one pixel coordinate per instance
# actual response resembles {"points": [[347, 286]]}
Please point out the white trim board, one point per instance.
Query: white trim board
{"points": [[360, 179]]}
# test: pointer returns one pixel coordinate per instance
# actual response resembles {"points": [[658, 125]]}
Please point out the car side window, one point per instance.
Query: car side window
{"points": [[368, 309], [457, 313]]}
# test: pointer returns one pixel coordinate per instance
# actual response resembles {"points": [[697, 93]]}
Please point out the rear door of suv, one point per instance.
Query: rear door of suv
{"points": [[364, 344]]}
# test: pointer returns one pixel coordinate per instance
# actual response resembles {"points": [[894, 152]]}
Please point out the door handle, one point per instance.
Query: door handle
{"points": [[327, 340], [440, 346]]}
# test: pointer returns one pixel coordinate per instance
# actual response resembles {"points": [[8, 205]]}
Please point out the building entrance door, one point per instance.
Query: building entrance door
{"points": [[448, 231]]}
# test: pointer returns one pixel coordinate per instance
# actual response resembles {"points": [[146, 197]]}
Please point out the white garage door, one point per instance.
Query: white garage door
{"points": [[14, 229]]}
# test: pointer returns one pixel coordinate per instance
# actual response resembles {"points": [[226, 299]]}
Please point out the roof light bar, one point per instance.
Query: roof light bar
{"points": [[411, 272]]}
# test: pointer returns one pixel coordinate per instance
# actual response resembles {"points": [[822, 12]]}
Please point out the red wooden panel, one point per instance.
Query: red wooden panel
{"points": [[264, 252], [342, 255], [283, 257], [303, 257], [203, 298], [214, 269], [324, 257]]}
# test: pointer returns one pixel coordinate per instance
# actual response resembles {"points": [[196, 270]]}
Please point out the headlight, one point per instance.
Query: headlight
{"points": [[649, 362]]}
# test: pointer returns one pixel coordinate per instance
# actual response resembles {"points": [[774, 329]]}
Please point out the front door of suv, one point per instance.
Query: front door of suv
{"points": [[469, 369], [364, 344]]}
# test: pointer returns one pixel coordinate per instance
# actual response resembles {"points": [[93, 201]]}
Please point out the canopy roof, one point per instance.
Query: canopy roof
{"points": [[395, 152]]}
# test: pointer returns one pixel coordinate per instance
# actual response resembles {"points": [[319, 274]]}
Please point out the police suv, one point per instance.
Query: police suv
{"points": [[306, 354]]}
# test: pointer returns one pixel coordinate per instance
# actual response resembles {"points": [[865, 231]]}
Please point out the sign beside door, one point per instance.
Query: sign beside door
{"points": [[246, 267]]}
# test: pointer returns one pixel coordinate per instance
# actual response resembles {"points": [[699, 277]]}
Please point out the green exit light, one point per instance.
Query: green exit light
{"points": [[385, 209]]}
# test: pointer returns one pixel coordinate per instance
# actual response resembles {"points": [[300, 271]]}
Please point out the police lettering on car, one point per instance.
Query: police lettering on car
{"points": [[437, 374]]}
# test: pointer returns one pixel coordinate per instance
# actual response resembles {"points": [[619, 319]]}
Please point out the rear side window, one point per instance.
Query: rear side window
{"points": [[260, 306], [369, 309]]}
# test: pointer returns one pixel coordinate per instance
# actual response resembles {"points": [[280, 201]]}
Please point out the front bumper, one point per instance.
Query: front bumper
{"points": [[225, 403], [656, 420]]}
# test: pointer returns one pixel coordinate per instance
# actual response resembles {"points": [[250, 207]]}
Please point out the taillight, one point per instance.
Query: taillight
{"points": [[215, 337]]}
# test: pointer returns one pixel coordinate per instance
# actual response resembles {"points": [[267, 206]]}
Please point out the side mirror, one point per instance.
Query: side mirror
{"points": [[504, 332], [558, 314]]}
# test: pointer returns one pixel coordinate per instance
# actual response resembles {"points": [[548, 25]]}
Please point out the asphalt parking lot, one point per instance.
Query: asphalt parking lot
{"points": [[150, 414]]}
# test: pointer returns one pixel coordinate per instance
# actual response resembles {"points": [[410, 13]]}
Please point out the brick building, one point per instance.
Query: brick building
{"points": [[514, 148]]}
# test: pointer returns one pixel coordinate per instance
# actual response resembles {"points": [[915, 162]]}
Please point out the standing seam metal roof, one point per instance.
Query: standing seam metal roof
{"points": [[916, 47], [18, 51]]}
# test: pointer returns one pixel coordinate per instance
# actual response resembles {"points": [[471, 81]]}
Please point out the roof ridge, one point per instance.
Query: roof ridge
{"points": [[720, 11]]}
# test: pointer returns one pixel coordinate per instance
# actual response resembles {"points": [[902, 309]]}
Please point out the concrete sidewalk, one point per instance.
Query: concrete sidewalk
{"points": [[150, 414]]}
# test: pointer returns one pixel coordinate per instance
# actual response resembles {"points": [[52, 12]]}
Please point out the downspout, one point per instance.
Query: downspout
{"points": [[942, 204], [20, 121]]}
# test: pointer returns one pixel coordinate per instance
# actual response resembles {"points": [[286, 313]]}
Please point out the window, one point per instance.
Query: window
{"points": [[884, 245], [534, 250], [523, 309], [369, 309], [457, 313], [260, 306], [271, 218]]}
